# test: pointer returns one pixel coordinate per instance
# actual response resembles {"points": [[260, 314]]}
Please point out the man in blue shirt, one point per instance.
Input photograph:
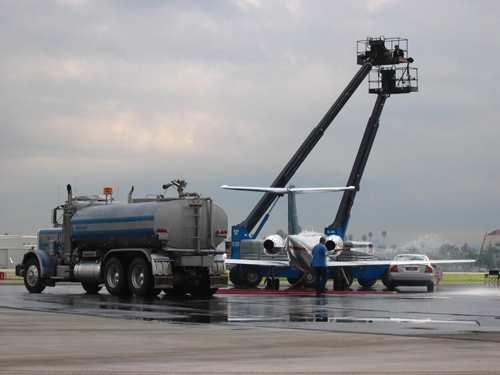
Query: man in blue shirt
{"points": [[319, 262]]}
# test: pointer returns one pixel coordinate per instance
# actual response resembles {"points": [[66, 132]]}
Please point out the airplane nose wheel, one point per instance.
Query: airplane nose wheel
{"points": [[272, 282], [340, 281]]}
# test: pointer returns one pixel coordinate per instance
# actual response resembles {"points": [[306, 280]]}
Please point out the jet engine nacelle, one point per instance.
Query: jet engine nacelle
{"points": [[334, 242], [273, 244]]}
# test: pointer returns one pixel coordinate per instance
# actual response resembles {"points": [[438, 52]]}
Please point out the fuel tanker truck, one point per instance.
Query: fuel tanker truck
{"points": [[140, 247]]}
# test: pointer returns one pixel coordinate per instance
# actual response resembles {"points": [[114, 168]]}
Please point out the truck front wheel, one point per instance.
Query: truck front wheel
{"points": [[33, 276]]}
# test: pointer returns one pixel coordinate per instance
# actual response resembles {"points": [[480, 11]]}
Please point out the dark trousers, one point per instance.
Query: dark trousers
{"points": [[321, 278]]}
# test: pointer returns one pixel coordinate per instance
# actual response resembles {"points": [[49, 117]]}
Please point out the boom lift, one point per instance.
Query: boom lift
{"points": [[384, 82], [372, 52]]}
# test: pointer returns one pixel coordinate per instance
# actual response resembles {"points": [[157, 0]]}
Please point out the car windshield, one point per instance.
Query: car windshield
{"points": [[411, 257]]}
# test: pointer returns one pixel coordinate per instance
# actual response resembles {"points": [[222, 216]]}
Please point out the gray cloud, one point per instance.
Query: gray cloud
{"points": [[123, 92]]}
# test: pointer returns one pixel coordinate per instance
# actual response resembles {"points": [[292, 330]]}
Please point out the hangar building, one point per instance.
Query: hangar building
{"points": [[12, 249]]}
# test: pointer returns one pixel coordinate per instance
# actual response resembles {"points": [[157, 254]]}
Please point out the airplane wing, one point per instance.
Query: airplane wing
{"points": [[288, 190], [361, 263], [320, 190], [254, 262], [335, 263]]}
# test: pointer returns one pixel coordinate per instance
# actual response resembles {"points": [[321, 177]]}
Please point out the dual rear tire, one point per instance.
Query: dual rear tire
{"points": [[141, 281], [121, 278], [91, 288], [115, 278]]}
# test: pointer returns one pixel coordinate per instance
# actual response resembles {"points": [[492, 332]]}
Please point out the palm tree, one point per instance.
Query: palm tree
{"points": [[370, 234], [384, 233], [364, 237]]}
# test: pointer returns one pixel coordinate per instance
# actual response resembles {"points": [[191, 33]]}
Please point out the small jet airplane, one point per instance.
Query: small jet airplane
{"points": [[298, 244]]}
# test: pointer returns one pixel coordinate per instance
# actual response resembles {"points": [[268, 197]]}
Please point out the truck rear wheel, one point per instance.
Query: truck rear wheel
{"points": [[91, 288], [202, 289], [33, 276], [204, 292], [175, 291], [115, 278], [140, 279]]}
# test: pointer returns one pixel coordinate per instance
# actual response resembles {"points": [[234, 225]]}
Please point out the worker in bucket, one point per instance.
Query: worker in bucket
{"points": [[319, 262], [398, 52]]}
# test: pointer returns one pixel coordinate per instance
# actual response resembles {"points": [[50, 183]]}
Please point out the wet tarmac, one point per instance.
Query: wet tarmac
{"points": [[454, 308], [65, 331]]}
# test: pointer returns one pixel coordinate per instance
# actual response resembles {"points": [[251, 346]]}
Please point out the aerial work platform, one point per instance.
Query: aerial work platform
{"points": [[388, 62], [386, 54]]}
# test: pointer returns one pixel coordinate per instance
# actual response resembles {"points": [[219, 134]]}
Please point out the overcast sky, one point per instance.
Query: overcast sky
{"points": [[122, 93]]}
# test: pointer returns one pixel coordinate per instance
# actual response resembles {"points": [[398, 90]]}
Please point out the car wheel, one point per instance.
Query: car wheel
{"points": [[385, 278], [430, 288]]}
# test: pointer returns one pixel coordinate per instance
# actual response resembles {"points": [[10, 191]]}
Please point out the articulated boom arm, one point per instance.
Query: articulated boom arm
{"points": [[339, 225], [388, 81], [287, 173]]}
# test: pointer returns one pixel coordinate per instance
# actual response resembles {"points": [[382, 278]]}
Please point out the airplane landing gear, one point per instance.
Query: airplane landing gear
{"points": [[272, 282], [341, 279]]}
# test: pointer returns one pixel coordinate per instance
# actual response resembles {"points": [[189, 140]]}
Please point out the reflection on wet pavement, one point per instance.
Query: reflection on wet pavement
{"points": [[447, 310]]}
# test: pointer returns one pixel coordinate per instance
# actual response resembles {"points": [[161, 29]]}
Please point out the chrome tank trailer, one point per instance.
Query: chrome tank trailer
{"points": [[140, 247], [182, 224]]}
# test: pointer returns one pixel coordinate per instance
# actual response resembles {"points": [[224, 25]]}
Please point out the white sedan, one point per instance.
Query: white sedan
{"points": [[420, 273]]}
